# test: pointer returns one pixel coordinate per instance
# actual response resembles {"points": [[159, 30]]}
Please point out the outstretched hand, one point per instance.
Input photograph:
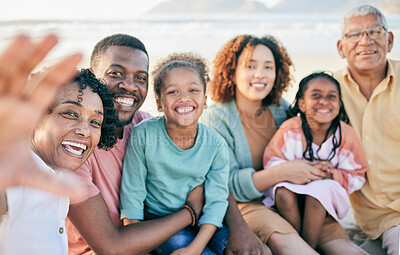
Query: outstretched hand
{"points": [[21, 108]]}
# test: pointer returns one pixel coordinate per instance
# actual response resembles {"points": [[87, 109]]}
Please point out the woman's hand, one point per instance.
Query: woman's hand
{"points": [[21, 108], [325, 166], [302, 172], [294, 171]]}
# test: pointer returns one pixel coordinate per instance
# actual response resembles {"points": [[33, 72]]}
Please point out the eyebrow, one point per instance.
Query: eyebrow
{"points": [[190, 83], [71, 102], [99, 112], [79, 105], [117, 65], [122, 67], [268, 61], [319, 90]]}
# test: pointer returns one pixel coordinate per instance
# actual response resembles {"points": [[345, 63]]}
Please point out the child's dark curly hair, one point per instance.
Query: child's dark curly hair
{"points": [[222, 87], [176, 60], [86, 78]]}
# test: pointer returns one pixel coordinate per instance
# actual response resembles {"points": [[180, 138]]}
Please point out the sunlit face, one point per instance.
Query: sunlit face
{"points": [[320, 103], [367, 54], [255, 74], [182, 98], [126, 72], [67, 135]]}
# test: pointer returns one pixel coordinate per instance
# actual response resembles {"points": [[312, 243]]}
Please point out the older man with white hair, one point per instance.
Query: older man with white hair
{"points": [[371, 94]]}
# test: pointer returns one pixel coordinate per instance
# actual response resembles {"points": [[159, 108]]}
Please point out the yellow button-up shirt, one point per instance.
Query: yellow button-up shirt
{"points": [[377, 121]]}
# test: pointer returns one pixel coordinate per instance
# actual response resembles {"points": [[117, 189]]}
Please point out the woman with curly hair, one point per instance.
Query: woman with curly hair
{"points": [[81, 118], [248, 78]]}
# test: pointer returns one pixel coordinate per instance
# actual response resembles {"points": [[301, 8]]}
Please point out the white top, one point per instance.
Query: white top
{"points": [[35, 222]]}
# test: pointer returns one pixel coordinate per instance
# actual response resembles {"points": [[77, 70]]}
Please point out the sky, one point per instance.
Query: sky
{"points": [[81, 9], [75, 9]]}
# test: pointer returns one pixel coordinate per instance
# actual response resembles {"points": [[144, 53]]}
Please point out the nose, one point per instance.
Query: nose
{"points": [[323, 100], [365, 39], [129, 84], [260, 73], [184, 96], [83, 129]]}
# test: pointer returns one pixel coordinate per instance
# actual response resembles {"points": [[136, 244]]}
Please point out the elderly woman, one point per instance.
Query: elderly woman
{"points": [[248, 79], [81, 118]]}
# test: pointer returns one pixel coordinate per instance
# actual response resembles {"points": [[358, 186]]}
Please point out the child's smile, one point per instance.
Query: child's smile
{"points": [[182, 97], [184, 110], [320, 102]]}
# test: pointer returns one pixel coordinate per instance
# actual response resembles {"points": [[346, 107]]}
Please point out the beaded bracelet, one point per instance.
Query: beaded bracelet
{"points": [[193, 213]]}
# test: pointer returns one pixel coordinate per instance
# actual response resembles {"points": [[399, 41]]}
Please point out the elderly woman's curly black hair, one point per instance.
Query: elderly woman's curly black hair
{"points": [[86, 78]]}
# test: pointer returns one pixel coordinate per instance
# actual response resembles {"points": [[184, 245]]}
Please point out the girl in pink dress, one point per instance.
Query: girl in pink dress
{"points": [[318, 135]]}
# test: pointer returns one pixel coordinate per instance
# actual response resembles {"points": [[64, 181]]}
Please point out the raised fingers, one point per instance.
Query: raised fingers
{"points": [[58, 75], [34, 54], [11, 59]]}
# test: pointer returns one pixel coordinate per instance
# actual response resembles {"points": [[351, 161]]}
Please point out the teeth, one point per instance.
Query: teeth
{"points": [[79, 145], [323, 111], [78, 153], [258, 85], [184, 109], [366, 52], [125, 101]]}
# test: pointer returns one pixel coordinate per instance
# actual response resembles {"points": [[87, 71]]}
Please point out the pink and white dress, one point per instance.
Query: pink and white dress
{"points": [[289, 143]]}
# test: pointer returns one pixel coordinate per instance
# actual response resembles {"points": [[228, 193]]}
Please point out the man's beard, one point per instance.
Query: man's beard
{"points": [[126, 121]]}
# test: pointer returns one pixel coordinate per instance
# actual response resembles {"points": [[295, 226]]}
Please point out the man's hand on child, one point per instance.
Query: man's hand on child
{"points": [[196, 199]]}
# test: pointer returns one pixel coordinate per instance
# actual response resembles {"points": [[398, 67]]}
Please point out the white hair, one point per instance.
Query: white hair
{"points": [[363, 10]]}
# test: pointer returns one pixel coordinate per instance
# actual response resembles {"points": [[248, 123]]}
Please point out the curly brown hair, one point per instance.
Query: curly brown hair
{"points": [[175, 60], [222, 88]]}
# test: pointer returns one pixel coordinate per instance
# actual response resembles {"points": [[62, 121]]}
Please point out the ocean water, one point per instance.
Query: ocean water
{"points": [[311, 35], [310, 39]]}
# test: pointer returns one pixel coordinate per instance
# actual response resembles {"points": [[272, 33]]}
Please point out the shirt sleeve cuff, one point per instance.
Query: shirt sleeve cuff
{"points": [[132, 214], [243, 187]]}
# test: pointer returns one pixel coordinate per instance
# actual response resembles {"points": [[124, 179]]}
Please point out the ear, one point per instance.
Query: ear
{"points": [[205, 102], [302, 106], [159, 105], [339, 46], [390, 41]]}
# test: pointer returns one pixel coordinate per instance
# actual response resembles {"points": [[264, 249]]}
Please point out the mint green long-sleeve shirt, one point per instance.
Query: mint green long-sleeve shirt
{"points": [[157, 175]]}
